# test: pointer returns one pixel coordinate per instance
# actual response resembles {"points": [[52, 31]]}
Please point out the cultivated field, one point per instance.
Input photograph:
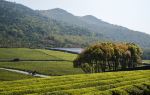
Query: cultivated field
{"points": [[110, 83], [9, 76], [34, 54], [59, 54], [146, 61], [56, 63], [44, 67], [39, 60]]}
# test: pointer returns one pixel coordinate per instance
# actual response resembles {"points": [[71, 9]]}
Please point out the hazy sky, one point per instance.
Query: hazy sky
{"points": [[133, 14]]}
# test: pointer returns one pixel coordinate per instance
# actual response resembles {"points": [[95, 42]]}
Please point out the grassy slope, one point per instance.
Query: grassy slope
{"points": [[44, 67], [24, 53], [111, 83], [61, 55], [8, 76], [34, 54], [146, 61]]}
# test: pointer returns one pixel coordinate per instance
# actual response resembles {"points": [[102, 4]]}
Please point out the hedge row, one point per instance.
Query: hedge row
{"points": [[111, 83]]}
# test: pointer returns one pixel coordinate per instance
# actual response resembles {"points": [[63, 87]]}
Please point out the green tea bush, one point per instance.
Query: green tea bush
{"points": [[111, 83]]}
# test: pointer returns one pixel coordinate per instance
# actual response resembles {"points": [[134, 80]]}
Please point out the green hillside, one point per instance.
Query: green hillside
{"points": [[34, 59], [24, 53], [21, 26], [34, 54], [52, 68], [146, 61], [60, 55], [43, 61], [9, 76], [110, 32], [112, 83]]}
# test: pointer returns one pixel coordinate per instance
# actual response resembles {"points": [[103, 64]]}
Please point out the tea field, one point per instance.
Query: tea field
{"points": [[109, 83]]}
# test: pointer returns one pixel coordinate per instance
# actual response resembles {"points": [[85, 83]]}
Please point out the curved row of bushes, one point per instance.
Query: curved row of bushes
{"points": [[88, 84]]}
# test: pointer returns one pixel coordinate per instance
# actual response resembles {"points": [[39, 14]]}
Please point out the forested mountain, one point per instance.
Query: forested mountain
{"points": [[112, 32], [21, 26]]}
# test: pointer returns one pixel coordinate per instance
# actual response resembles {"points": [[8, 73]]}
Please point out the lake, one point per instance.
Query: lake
{"points": [[72, 50]]}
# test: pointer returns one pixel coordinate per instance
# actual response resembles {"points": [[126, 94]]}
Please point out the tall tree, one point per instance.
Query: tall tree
{"points": [[108, 56]]}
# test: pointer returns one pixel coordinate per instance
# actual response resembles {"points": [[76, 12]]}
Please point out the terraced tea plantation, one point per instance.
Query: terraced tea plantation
{"points": [[109, 83], [55, 63]]}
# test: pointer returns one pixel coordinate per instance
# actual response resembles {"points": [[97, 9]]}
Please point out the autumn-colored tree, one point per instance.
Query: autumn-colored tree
{"points": [[108, 56]]}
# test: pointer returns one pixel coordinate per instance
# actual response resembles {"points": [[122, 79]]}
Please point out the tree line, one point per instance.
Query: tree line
{"points": [[103, 57]]}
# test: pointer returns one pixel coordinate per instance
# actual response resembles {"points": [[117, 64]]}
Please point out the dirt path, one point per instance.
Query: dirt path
{"points": [[24, 72]]}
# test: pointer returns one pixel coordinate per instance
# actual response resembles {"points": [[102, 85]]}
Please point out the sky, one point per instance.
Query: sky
{"points": [[133, 14]]}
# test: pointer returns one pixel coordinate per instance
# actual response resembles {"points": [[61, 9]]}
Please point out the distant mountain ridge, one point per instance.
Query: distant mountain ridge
{"points": [[21, 26], [112, 32], [91, 19]]}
